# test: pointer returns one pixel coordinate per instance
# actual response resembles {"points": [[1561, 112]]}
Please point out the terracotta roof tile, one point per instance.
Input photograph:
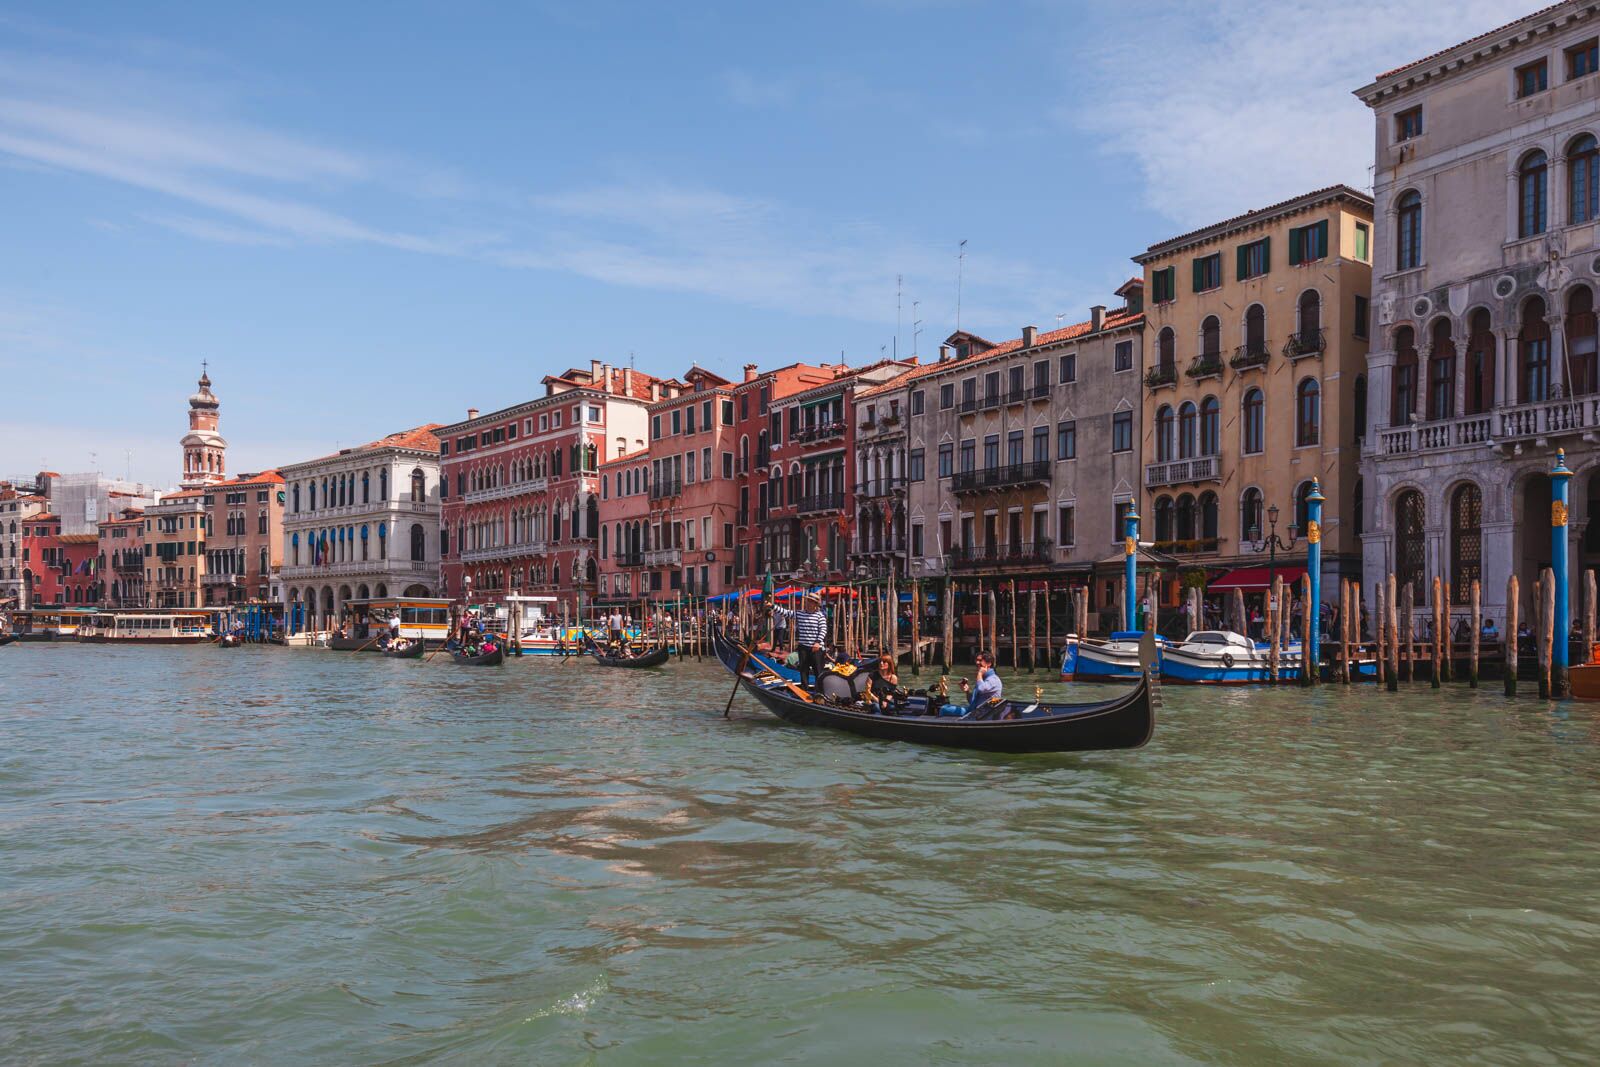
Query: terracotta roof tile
{"points": [[1470, 40], [421, 438], [1114, 319], [79, 539], [1219, 229]]}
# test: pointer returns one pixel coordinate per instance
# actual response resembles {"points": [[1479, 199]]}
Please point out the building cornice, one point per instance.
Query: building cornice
{"points": [[1255, 220]]}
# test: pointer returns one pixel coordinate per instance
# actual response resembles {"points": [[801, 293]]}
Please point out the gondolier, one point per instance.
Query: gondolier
{"points": [[810, 636]]}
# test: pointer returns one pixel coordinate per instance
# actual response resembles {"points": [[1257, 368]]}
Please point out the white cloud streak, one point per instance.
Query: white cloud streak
{"points": [[1236, 104]]}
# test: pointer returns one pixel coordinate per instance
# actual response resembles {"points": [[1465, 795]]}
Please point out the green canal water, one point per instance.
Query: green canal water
{"points": [[291, 856]]}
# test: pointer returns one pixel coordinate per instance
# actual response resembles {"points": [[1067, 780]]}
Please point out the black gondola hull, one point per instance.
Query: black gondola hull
{"points": [[413, 652], [487, 659], [1123, 723], [655, 657]]}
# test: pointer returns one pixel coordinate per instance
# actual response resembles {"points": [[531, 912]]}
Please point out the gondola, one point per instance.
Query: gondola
{"points": [[229, 641], [1126, 722], [6, 639], [654, 657], [413, 650], [486, 659]]}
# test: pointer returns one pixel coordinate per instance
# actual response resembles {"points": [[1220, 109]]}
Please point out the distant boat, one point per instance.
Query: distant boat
{"points": [[1115, 659]]}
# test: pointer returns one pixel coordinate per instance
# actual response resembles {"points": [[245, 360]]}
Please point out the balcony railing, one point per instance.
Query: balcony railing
{"points": [[501, 492], [1305, 343], [821, 431], [1205, 365], [895, 546], [1507, 425], [1017, 396], [1547, 418], [665, 487], [967, 406], [990, 400], [820, 502], [220, 579], [1158, 376], [880, 487], [628, 559], [964, 557], [663, 557], [1251, 355], [1187, 547], [1177, 472], [1040, 391], [1001, 477]]}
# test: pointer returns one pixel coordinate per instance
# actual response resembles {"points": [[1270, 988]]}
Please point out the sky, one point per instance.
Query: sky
{"points": [[368, 217]]}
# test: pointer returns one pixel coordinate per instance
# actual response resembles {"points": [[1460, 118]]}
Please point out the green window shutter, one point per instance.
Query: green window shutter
{"points": [[1240, 255], [1172, 283], [1266, 254], [1322, 238], [1297, 240], [1199, 274]]}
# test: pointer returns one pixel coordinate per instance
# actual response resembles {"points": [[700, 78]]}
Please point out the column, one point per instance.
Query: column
{"points": [[1506, 339]]}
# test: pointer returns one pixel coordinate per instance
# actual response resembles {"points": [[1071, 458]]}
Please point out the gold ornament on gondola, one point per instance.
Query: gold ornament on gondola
{"points": [[1038, 694], [1558, 513]]}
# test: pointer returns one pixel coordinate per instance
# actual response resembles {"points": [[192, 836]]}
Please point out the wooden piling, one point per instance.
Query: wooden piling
{"points": [[1016, 664], [993, 646], [1477, 630], [1152, 593], [1547, 629], [916, 626], [1083, 612], [947, 637], [1588, 616], [1308, 671], [1344, 631], [1509, 636], [1033, 631], [1053, 664], [1448, 665], [1439, 635], [1241, 617], [1274, 630], [1392, 634]]}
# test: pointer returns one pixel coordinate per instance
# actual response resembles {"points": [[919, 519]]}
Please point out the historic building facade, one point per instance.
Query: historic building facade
{"points": [[625, 529], [1487, 188], [1019, 455], [521, 485], [362, 523], [1257, 337], [18, 504], [121, 560]]}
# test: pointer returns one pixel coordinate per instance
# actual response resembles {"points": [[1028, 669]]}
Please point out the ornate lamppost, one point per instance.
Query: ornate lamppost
{"points": [[1270, 545]]}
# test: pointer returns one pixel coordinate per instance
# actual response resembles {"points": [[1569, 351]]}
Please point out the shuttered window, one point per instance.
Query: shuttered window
{"points": [[1255, 258]]}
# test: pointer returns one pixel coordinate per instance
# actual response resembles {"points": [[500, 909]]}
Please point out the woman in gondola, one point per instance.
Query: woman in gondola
{"points": [[884, 692]]}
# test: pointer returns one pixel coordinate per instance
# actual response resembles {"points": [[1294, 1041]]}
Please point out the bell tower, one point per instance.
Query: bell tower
{"points": [[204, 450]]}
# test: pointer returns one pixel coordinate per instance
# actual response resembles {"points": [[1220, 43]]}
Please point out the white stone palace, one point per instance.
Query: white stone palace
{"points": [[1483, 361]]}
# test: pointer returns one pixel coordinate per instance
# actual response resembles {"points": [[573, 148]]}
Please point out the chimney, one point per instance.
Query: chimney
{"points": [[472, 413], [750, 372], [945, 352], [605, 377], [1097, 317], [655, 391], [1030, 336], [594, 372], [627, 381]]}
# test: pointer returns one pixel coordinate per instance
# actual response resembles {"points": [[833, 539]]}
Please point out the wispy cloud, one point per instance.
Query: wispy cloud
{"points": [[1236, 104]]}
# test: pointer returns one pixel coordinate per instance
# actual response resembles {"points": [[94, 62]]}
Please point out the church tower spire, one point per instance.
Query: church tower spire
{"points": [[204, 450]]}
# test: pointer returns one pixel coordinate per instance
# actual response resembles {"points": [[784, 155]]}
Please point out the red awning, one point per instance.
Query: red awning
{"points": [[1255, 579]]}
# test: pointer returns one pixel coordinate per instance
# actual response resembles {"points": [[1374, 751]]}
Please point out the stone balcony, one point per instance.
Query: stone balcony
{"points": [[374, 567], [1505, 428], [501, 492], [663, 557], [1182, 471]]}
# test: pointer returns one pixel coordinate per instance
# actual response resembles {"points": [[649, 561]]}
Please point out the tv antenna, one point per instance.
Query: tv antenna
{"points": [[916, 326], [899, 283], [961, 266]]}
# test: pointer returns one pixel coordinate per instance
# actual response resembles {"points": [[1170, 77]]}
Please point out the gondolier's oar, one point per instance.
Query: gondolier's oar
{"points": [[744, 661]]}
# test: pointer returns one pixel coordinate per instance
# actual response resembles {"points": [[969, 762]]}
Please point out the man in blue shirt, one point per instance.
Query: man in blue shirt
{"points": [[988, 688]]}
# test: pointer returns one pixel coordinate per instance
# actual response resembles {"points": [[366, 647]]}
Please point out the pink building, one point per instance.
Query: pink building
{"points": [[624, 528], [521, 486]]}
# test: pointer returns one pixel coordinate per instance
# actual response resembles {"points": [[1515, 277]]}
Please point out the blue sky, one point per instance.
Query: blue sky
{"points": [[372, 216]]}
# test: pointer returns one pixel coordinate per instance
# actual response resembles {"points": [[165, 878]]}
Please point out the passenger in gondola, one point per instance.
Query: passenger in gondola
{"points": [[983, 698], [885, 693]]}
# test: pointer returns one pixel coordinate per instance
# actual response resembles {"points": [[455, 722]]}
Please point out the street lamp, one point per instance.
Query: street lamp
{"points": [[1271, 543]]}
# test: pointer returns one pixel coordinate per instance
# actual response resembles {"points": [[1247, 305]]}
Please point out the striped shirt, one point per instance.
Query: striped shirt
{"points": [[810, 627]]}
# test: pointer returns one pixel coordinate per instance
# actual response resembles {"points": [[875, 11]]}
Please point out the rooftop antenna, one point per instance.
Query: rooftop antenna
{"points": [[1059, 316], [94, 461], [899, 281], [127, 464], [961, 266], [916, 327]]}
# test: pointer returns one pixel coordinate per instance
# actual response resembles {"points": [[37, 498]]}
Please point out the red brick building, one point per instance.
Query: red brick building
{"points": [[521, 485]]}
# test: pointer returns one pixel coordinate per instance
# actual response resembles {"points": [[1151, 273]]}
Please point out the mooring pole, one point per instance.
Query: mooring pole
{"points": [[1313, 630], [1130, 567], [1560, 484]]}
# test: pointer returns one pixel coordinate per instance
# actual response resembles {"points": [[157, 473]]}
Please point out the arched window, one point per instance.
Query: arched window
{"points": [[1164, 433], [1533, 343], [1403, 402], [1163, 518], [1466, 540], [591, 516], [1255, 330], [1442, 372], [419, 486], [383, 484], [1480, 363], [1307, 412], [1208, 516], [1250, 515], [1583, 179], [1302, 508], [1186, 430], [1581, 340], [297, 497], [1167, 349], [1185, 518], [1211, 338], [1210, 426], [1533, 194], [366, 487], [419, 543], [1408, 231], [1309, 338], [1410, 547], [1255, 421]]}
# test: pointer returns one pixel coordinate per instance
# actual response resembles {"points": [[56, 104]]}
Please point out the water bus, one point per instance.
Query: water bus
{"points": [[154, 627], [49, 624], [425, 619]]}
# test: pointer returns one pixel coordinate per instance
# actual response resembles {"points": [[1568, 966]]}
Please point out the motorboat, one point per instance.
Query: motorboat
{"points": [[1222, 657], [1116, 659]]}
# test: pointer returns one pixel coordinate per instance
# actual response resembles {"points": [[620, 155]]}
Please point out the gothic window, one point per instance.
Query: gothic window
{"points": [[419, 486], [1533, 343], [1408, 230], [1208, 516], [1403, 402], [1466, 541], [1410, 547], [1186, 430], [1255, 422], [1583, 179], [1164, 518], [1442, 373], [1210, 426], [1480, 364], [1581, 346], [1164, 433], [1250, 516], [1533, 199], [1308, 412]]}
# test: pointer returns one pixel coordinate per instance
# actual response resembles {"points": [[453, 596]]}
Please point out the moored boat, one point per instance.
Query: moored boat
{"points": [[1585, 681], [1115, 659], [482, 659], [1222, 657], [156, 627], [1007, 726]]}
